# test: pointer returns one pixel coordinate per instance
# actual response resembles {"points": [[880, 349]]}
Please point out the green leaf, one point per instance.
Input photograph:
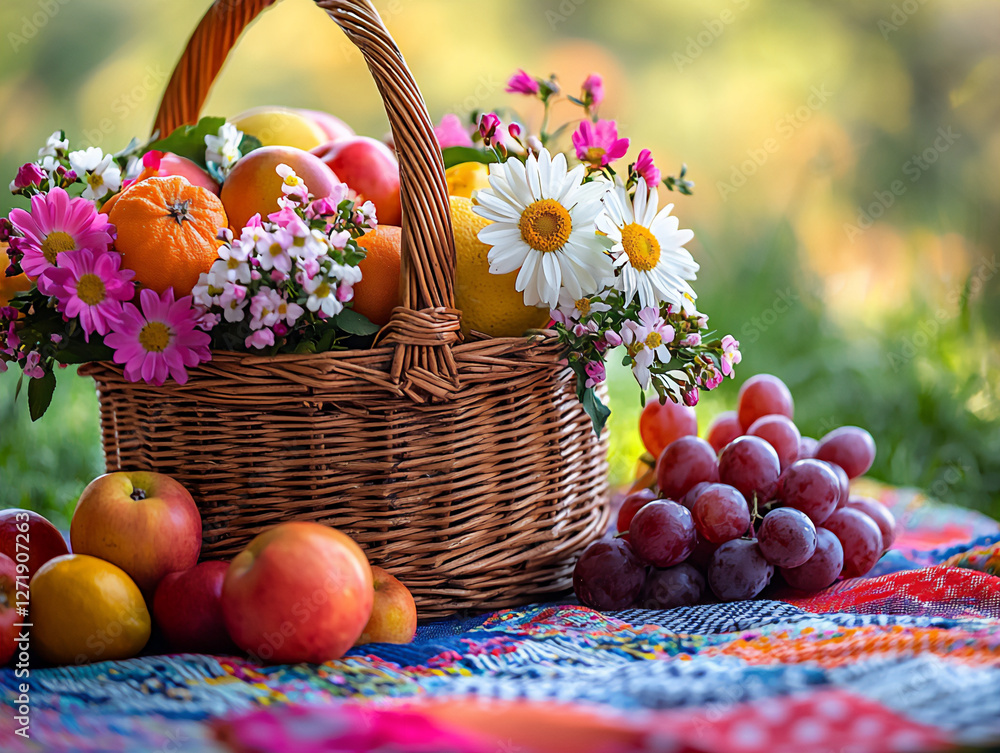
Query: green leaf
{"points": [[17, 390], [353, 323], [40, 395], [82, 352], [249, 143], [597, 410], [455, 155], [189, 141]]}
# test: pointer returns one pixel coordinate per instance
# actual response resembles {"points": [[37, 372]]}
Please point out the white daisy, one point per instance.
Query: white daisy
{"points": [[223, 148], [648, 249], [97, 170], [543, 219]]}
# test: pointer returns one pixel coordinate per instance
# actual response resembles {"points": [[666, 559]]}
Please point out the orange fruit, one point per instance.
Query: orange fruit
{"points": [[107, 206], [379, 293], [85, 609], [10, 285], [167, 232]]}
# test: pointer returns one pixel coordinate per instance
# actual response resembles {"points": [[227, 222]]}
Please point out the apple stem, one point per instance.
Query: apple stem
{"points": [[138, 494]]}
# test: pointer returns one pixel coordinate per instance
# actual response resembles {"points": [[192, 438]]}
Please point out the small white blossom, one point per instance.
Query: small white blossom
{"points": [[98, 171]]}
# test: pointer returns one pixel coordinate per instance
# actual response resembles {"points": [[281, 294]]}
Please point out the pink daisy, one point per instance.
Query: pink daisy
{"points": [[598, 143], [160, 340], [55, 224], [91, 285], [646, 169]]}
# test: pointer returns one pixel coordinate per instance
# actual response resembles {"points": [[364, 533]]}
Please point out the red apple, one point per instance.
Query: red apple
{"points": [[394, 613], [334, 128], [165, 164], [188, 609], [370, 168], [299, 592], [144, 522], [28, 538], [8, 609]]}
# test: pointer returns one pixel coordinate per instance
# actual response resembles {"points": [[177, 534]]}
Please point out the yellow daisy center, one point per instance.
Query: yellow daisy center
{"points": [[641, 246], [56, 243], [653, 340], [595, 153], [155, 337], [545, 225], [90, 289], [583, 306]]}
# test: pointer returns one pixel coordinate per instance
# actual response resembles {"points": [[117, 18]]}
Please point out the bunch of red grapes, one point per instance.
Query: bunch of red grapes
{"points": [[728, 512]]}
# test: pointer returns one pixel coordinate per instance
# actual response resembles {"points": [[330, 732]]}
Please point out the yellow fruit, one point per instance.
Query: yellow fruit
{"points": [[489, 303], [85, 609], [466, 178], [279, 126]]}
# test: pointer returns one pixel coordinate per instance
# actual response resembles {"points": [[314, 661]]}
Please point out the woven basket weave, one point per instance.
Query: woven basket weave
{"points": [[468, 469]]}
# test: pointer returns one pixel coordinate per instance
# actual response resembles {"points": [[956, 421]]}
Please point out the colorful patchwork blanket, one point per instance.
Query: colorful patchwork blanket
{"points": [[905, 659]]}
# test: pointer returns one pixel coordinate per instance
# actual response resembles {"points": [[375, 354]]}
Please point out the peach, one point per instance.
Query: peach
{"points": [[253, 186], [299, 592], [394, 613], [370, 168]]}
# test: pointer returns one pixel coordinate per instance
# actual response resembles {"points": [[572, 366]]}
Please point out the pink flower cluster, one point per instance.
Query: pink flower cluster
{"points": [[280, 270]]}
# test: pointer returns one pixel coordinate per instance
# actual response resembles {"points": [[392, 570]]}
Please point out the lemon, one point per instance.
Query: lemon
{"points": [[489, 303], [85, 609], [279, 126], [467, 177]]}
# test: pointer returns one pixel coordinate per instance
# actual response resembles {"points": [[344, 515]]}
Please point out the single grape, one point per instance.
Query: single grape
{"points": [[820, 570], [845, 483], [850, 447], [608, 575], [723, 430], [686, 462], [662, 423], [878, 512], [738, 570], [781, 434], [630, 506], [763, 395], [860, 537], [701, 555], [677, 586], [662, 533], [752, 466], [691, 497], [807, 447], [720, 514], [810, 486], [787, 537]]}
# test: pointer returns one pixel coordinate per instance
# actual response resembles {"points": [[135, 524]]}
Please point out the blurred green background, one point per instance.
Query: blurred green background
{"points": [[845, 154]]}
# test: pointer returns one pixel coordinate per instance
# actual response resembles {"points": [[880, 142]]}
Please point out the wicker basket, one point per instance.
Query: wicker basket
{"points": [[467, 468]]}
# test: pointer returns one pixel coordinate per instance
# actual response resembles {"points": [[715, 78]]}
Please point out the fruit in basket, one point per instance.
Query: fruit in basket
{"points": [[394, 613], [370, 168], [145, 523], [860, 538], [724, 429], [280, 126], [253, 186], [820, 570], [299, 592], [8, 609], [608, 575], [188, 608], [489, 303], [164, 164], [685, 462], [763, 395], [11, 285], [751, 465], [167, 232], [738, 570], [332, 127], [379, 293], [662, 533], [28, 538], [781, 434], [465, 178], [86, 609], [850, 447], [660, 424]]}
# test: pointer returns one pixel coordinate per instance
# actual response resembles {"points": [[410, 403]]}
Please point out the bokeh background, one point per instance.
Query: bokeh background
{"points": [[846, 156]]}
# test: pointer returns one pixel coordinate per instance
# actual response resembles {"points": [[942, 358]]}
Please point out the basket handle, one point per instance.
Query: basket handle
{"points": [[427, 325]]}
